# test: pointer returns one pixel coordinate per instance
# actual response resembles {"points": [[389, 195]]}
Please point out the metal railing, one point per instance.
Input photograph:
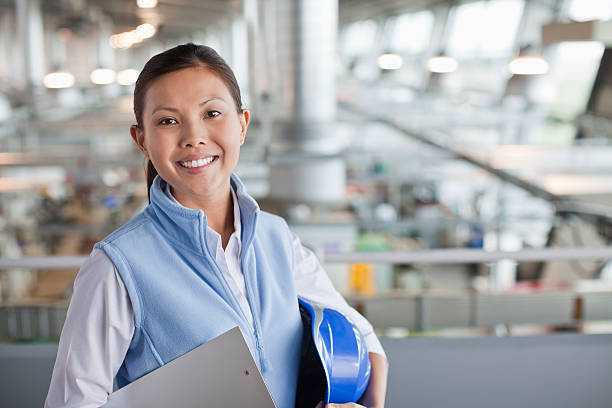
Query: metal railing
{"points": [[430, 256], [461, 256], [417, 311]]}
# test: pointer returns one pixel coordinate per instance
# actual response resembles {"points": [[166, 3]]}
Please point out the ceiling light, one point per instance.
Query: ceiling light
{"points": [[120, 41], [528, 65], [146, 3], [125, 40], [442, 65], [145, 30], [58, 80], [389, 61], [127, 77], [131, 37], [102, 76], [114, 41]]}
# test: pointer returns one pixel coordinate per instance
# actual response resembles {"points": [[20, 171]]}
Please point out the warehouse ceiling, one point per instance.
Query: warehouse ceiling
{"points": [[188, 15], [179, 17], [175, 17]]}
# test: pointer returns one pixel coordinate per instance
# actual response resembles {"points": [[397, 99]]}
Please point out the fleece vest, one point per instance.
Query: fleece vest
{"points": [[181, 299]]}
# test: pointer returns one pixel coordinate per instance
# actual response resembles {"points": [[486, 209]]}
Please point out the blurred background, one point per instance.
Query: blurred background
{"points": [[449, 162]]}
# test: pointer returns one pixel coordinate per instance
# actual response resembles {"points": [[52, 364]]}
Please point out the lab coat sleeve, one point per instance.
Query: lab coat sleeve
{"points": [[95, 338], [313, 283]]}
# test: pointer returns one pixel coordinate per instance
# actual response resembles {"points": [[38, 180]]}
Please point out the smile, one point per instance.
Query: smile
{"points": [[191, 164]]}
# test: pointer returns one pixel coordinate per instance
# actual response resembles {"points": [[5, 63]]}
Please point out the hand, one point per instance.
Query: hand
{"points": [[345, 405]]}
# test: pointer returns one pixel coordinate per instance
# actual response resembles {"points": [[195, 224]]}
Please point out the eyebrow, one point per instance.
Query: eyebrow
{"points": [[169, 108]]}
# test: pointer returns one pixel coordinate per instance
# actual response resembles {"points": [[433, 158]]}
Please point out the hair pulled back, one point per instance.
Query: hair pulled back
{"points": [[180, 57]]}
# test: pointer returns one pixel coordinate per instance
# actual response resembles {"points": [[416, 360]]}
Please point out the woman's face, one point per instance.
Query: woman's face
{"points": [[192, 133]]}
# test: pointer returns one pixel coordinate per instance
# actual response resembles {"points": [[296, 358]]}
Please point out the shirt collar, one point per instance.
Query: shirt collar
{"points": [[188, 226], [237, 223]]}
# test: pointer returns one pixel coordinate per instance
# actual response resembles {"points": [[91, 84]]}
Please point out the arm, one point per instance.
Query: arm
{"points": [[95, 337], [374, 396], [313, 284]]}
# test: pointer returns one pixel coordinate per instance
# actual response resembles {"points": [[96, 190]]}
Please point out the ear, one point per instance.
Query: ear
{"points": [[245, 118], [138, 137]]}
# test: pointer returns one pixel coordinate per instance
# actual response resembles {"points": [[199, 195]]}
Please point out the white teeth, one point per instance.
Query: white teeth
{"points": [[197, 163]]}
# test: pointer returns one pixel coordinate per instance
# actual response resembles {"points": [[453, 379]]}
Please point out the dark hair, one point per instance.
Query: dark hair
{"points": [[180, 57]]}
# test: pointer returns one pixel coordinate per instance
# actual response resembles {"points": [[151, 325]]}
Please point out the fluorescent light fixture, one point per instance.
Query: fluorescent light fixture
{"points": [[102, 76], [125, 40], [114, 41], [127, 77], [131, 37], [389, 61], [57, 80], [120, 41], [146, 30], [442, 65], [528, 65], [146, 3]]}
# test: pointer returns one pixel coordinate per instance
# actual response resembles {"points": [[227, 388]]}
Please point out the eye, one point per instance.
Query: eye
{"points": [[167, 121], [212, 113]]}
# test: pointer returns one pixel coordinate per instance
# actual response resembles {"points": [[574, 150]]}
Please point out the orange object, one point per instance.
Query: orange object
{"points": [[361, 278]]}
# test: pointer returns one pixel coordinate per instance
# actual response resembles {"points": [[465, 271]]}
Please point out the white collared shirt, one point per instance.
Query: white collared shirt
{"points": [[100, 322]]}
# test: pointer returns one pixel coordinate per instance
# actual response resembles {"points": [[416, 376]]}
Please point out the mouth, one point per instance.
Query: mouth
{"points": [[194, 164]]}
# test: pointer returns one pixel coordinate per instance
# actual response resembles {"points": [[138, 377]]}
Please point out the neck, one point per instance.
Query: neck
{"points": [[219, 213]]}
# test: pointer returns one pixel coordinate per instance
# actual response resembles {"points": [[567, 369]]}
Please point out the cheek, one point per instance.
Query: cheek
{"points": [[231, 136], [158, 147]]}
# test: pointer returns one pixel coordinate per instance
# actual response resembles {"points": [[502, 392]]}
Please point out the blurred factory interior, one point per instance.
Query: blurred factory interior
{"points": [[449, 161]]}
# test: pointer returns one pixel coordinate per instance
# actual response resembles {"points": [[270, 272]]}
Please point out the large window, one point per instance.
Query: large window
{"points": [[412, 32], [484, 28], [358, 38], [573, 70], [584, 10]]}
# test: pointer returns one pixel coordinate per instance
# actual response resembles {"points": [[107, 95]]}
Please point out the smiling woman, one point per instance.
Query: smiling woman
{"points": [[191, 133], [205, 62], [201, 258]]}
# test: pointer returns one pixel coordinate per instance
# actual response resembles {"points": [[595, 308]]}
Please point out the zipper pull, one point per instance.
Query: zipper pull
{"points": [[264, 363]]}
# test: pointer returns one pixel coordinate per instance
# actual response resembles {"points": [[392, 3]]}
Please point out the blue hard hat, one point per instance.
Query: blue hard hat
{"points": [[334, 366]]}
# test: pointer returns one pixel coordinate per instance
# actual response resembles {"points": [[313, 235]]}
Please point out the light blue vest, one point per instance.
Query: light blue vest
{"points": [[181, 299]]}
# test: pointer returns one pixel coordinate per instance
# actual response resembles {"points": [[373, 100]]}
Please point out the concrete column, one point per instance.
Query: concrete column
{"points": [[30, 23], [304, 157]]}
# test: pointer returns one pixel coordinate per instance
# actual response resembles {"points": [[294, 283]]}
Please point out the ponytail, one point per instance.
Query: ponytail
{"points": [[151, 172]]}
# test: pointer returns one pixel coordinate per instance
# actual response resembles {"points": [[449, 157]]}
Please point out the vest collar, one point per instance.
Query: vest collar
{"points": [[187, 227]]}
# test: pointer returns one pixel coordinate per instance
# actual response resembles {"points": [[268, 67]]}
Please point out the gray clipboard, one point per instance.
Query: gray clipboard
{"points": [[219, 373]]}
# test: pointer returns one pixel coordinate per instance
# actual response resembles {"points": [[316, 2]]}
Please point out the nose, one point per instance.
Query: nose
{"points": [[194, 134]]}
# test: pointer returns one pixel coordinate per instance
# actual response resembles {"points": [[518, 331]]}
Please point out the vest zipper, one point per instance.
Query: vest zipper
{"points": [[263, 363]]}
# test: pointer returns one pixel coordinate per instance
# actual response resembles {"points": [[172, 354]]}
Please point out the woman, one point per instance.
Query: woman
{"points": [[200, 259]]}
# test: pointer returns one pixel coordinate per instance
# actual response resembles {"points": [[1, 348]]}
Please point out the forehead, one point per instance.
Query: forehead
{"points": [[186, 87]]}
